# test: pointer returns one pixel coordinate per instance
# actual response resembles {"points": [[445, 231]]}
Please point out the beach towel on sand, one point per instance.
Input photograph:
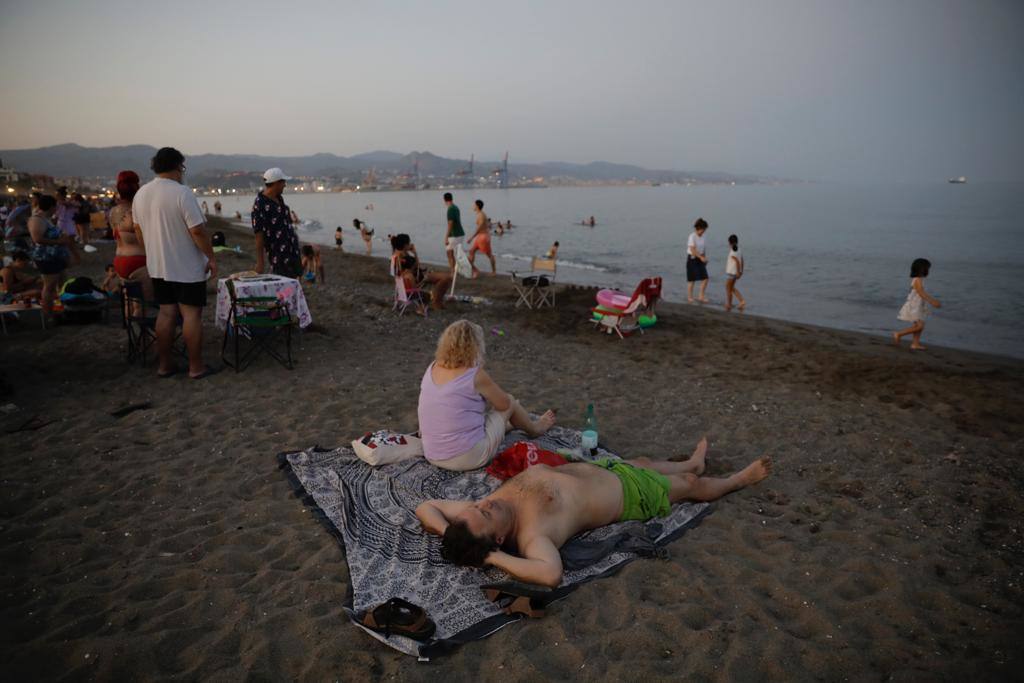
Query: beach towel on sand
{"points": [[372, 511]]}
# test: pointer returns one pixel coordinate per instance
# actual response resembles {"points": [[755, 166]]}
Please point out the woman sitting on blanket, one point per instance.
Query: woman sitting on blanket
{"points": [[460, 432]]}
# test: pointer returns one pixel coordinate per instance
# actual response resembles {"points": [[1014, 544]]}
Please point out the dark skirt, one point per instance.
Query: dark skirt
{"points": [[696, 270]]}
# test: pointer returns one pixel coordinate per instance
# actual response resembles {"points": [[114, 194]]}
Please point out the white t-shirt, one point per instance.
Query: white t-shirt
{"points": [[731, 267], [695, 241], [165, 210]]}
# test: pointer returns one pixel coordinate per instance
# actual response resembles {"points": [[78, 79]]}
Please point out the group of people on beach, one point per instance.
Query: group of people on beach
{"points": [[464, 416]]}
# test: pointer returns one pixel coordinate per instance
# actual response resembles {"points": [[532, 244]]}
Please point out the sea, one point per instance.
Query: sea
{"points": [[835, 255]]}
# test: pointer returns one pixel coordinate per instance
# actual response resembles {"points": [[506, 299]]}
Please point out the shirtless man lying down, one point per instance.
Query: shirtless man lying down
{"points": [[521, 525]]}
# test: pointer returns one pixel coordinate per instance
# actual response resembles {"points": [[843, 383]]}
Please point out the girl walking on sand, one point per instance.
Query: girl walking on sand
{"points": [[733, 272], [915, 308]]}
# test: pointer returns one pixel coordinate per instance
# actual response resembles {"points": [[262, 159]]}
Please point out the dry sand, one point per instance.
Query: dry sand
{"points": [[166, 543]]}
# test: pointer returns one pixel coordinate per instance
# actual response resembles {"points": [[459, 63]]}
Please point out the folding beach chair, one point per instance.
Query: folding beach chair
{"points": [[404, 297], [139, 321], [536, 288], [260, 319], [623, 321]]}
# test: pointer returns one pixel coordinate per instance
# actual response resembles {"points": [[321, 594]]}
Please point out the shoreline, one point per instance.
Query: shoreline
{"points": [[242, 230]]}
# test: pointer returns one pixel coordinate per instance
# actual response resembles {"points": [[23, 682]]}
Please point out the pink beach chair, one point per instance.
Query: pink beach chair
{"points": [[622, 319]]}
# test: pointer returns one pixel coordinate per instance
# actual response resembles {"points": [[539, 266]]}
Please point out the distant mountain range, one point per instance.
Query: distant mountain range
{"points": [[77, 161]]}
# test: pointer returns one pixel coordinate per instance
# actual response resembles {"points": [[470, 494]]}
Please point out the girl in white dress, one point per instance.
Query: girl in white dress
{"points": [[915, 309], [733, 272]]}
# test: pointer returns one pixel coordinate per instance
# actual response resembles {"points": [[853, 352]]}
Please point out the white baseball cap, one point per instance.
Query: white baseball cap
{"points": [[274, 174]]}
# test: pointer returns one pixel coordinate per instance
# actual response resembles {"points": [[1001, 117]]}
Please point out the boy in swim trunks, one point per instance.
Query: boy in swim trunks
{"points": [[481, 239], [520, 526]]}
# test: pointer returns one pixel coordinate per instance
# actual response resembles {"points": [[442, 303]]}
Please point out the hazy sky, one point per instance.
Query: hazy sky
{"points": [[820, 90]]}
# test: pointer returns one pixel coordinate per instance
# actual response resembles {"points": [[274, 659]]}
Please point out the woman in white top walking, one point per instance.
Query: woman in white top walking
{"points": [[696, 261], [733, 272], [914, 309]]}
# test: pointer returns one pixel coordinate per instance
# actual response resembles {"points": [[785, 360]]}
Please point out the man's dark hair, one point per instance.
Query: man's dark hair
{"points": [[920, 267], [46, 202], [459, 546], [479, 203], [447, 196], [701, 224], [166, 159]]}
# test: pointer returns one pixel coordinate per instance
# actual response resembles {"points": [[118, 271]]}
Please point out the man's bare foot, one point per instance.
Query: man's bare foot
{"points": [[543, 423], [699, 457], [756, 471], [896, 338]]}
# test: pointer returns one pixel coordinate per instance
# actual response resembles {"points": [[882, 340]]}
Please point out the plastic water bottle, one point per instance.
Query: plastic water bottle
{"points": [[588, 439]]}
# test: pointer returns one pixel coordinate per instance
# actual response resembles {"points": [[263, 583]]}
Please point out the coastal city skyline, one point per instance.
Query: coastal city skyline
{"points": [[907, 92]]}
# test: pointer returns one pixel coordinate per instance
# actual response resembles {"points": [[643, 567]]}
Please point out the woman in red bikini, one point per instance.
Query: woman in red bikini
{"points": [[130, 255]]}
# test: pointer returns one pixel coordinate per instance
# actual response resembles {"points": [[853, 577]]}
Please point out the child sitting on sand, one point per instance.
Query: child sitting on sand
{"points": [[914, 309], [312, 264], [111, 281], [459, 431]]}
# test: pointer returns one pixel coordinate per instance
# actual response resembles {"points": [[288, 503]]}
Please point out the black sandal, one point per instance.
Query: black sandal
{"points": [[401, 618]]}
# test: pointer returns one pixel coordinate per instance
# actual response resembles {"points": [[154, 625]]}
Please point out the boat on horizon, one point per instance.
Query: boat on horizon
{"points": [[961, 180]]}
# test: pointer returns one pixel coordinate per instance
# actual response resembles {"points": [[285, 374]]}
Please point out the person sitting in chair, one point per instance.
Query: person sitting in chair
{"points": [[405, 262], [520, 527]]}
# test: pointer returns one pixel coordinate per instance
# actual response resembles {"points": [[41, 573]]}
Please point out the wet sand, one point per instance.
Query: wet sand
{"points": [[166, 543]]}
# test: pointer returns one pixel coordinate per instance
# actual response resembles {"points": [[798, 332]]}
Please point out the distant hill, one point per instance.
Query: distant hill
{"points": [[75, 160]]}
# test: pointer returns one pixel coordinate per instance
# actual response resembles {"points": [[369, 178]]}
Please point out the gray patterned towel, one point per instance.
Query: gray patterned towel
{"points": [[389, 555]]}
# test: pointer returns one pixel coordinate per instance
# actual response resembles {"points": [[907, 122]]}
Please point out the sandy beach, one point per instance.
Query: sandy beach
{"points": [[166, 543]]}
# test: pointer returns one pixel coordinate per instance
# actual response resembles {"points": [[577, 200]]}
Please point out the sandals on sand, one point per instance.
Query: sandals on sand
{"points": [[401, 618], [516, 597]]}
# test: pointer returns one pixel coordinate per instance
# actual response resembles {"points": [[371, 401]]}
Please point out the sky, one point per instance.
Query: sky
{"points": [[820, 90]]}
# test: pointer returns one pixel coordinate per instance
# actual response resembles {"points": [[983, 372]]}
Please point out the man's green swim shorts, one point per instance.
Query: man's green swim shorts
{"points": [[644, 492]]}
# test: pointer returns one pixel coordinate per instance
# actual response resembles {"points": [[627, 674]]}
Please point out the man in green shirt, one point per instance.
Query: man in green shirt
{"points": [[453, 234]]}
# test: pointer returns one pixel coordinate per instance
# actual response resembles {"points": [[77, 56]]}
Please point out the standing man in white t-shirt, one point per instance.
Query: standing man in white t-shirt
{"points": [[696, 261], [179, 257]]}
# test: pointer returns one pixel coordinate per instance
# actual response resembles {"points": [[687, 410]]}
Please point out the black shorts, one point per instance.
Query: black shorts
{"points": [[188, 293], [696, 270]]}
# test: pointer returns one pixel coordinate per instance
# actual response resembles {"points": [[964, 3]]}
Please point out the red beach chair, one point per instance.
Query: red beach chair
{"points": [[622, 320]]}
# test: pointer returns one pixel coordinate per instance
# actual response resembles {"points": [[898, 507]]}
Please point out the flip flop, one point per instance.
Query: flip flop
{"points": [[399, 617], [207, 372]]}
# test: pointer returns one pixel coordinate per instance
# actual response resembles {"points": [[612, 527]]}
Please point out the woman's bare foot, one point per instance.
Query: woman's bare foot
{"points": [[918, 347], [756, 471], [703, 300], [728, 307], [699, 457], [743, 304], [896, 338], [689, 300], [543, 423]]}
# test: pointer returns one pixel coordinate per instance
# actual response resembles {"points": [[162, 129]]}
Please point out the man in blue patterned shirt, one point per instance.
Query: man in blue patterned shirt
{"points": [[272, 225]]}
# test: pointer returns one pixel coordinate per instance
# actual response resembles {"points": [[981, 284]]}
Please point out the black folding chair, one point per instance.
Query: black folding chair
{"points": [[259, 319], [139, 322]]}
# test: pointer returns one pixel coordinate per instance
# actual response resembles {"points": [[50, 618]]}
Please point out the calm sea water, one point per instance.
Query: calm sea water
{"points": [[832, 255]]}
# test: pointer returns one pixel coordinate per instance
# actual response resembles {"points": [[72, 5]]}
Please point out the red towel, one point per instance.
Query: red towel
{"points": [[519, 456]]}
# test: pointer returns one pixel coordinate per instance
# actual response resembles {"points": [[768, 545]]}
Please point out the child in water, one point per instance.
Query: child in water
{"points": [[733, 272], [337, 238], [312, 264], [552, 252], [915, 308]]}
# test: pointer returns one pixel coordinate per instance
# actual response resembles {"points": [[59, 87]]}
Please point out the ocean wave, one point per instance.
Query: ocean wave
{"points": [[578, 265]]}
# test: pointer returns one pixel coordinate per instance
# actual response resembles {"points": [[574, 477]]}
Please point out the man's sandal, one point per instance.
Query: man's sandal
{"points": [[400, 618], [516, 597]]}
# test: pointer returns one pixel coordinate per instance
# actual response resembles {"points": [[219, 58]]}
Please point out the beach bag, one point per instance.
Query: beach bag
{"points": [[519, 456], [462, 264], [384, 447], [79, 286]]}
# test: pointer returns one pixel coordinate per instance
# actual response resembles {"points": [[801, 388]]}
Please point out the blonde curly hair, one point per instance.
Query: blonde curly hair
{"points": [[461, 345]]}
